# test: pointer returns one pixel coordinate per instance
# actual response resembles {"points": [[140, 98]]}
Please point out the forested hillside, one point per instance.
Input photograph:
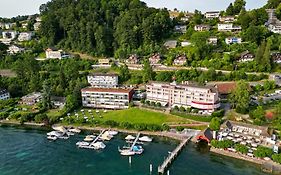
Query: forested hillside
{"points": [[103, 27]]}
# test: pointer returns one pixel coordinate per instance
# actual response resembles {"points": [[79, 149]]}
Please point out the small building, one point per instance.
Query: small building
{"points": [[227, 19], [133, 59], [180, 28], [14, 49], [36, 26], [246, 56], [213, 40], [276, 57], [180, 60], [174, 14], [155, 59], [273, 24], [228, 27], [233, 40], [103, 80], [225, 88], [9, 25], [53, 53], [31, 99], [25, 36], [104, 61], [4, 94], [24, 25], [206, 135], [185, 43], [106, 98], [58, 102], [171, 44], [202, 27], [212, 14], [9, 34]]}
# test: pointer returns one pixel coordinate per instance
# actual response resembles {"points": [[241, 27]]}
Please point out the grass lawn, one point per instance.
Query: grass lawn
{"points": [[135, 115], [53, 113]]}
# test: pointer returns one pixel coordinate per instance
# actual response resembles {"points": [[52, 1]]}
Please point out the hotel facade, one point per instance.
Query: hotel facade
{"points": [[103, 80], [203, 98], [106, 98]]}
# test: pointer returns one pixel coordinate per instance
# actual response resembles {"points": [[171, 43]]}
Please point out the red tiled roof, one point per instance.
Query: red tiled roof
{"points": [[226, 88], [93, 89]]}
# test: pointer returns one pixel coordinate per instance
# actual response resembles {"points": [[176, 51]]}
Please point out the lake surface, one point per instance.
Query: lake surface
{"points": [[28, 152]]}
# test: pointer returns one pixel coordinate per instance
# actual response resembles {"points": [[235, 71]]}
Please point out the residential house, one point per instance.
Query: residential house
{"points": [[14, 49], [213, 40], [4, 94], [228, 27], [104, 61], [133, 59], [103, 80], [106, 98], [24, 25], [202, 27], [233, 40], [25, 36], [31, 99], [155, 59], [53, 53], [225, 88], [180, 28], [185, 43], [174, 14], [276, 57], [36, 26], [9, 34], [206, 135], [58, 102], [227, 19], [171, 44], [180, 60], [9, 25], [273, 24], [212, 14], [246, 56], [172, 94]]}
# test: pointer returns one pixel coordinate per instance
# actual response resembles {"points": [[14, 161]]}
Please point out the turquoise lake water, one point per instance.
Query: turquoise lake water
{"points": [[28, 152]]}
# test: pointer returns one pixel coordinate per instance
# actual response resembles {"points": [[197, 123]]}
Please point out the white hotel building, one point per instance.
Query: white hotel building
{"points": [[204, 98], [106, 98], [103, 80]]}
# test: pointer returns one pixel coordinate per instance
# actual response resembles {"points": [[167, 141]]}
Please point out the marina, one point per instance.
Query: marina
{"points": [[28, 152]]}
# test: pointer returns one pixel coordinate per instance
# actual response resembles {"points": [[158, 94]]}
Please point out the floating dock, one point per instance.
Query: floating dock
{"points": [[135, 141], [97, 138], [172, 156]]}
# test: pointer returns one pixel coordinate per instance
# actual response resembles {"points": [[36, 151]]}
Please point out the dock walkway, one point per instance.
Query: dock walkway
{"points": [[97, 138], [135, 141], [172, 156]]}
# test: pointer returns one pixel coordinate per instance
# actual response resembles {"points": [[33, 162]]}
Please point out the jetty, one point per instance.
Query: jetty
{"points": [[172, 156], [97, 138], [135, 141]]}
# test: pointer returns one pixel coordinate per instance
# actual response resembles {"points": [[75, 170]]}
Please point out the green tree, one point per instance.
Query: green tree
{"points": [[241, 148], [124, 73], [215, 124], [267, 57], [240, 97], [46, 100], [148, 73], [263, 152]]}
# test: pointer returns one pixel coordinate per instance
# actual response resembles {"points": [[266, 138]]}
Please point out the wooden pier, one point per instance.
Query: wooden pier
{"points": [[172, 156], [97, 138], [135, 141]]}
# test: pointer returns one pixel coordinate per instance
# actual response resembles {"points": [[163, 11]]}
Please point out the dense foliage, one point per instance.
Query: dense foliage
{"points": [[263, 152], [103, 27]]}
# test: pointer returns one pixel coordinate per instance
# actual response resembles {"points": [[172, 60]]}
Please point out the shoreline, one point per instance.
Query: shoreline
{"points": [[88, 128]]}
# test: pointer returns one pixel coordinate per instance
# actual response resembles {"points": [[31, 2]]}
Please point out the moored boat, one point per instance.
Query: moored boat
{"points": [[130, 137], [52, 137], [145, 139]]}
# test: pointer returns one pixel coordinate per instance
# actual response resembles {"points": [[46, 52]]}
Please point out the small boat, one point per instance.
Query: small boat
{"points": [[59, 128], [145, 139], [70, 133], [106, 136], [126, 152], [130, 137], [65, 137], [138, 149], [98, 145], [89, 138], [55, 133], [113, 133], [81, 143], [74, 130], [52, 137]]}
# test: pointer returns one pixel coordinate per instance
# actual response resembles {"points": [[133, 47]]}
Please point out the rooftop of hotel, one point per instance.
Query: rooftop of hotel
{"points": [[103, 74], [114, 90]]}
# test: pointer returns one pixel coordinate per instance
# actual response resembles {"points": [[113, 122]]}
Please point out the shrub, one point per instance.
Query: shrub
{"points": [[179, 128], [147, 102], [39, 118], [176, 108], [142, 101], [263, 152], [3, 115], [182, 109], [158, 105], [152, 103], [218, 114], [188, 110], [276, 158], [222, 144], [242, 148]]}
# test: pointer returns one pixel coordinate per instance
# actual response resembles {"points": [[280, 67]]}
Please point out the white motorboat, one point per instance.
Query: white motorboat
{"points": [[59, 128], [89, 138], [55, 133], [98, 145], [106, 136], [52, 137], [113, 133], [65, 137], [129, 137], [70, 133], [138, 149], [75, 130], [127, 152], [81, 143], [145, 139]]}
